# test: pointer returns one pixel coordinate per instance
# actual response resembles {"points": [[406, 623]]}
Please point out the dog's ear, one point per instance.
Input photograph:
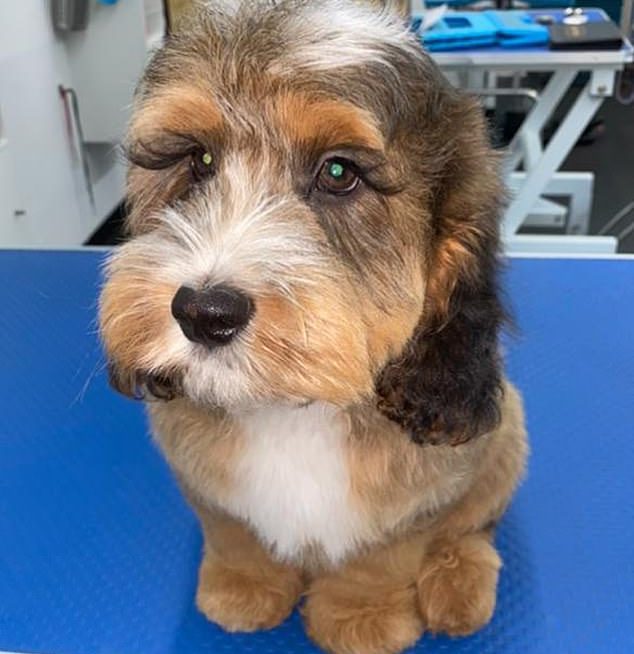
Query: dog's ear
{"points": [[445, 387]]}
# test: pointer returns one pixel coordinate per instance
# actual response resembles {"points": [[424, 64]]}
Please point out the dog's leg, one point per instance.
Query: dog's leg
{"points": [[240, 587], [369, 606], [457, 581], [457, 584]]}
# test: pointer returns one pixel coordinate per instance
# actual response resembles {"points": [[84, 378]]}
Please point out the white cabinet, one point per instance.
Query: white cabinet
{"points": [[10, 205], [45, 195], [106, 60]]}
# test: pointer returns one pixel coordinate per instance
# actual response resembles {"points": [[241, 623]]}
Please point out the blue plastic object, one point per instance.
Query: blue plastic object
{"points": [[499, 29], [98, 552], [466, 30], [517, 29], [460, 30]]}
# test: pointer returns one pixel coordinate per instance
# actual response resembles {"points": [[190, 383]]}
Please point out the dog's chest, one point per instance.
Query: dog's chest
{"points": [[292, 482]]}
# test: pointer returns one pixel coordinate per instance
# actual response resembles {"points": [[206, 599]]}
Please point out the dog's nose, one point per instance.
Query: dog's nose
{"points": [[212, 316]]}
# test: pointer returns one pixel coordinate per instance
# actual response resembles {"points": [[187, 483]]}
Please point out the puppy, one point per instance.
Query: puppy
{"points": [[309, 303]]}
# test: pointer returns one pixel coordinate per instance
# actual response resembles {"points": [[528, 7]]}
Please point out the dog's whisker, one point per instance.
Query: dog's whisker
{"points": [[98, 367]]}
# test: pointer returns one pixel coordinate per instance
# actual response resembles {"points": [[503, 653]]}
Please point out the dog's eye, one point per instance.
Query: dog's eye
{"points": [[202, 164], [337, 176]]}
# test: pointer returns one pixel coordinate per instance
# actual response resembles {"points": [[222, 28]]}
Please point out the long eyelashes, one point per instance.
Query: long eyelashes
{"points": [[148, 157], [337, 175]]}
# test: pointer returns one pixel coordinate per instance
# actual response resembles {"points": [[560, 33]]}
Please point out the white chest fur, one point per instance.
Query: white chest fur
{"points": [[292, 483]]}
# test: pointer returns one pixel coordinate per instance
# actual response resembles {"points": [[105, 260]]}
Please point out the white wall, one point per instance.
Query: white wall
{"points": [[43, 196]]}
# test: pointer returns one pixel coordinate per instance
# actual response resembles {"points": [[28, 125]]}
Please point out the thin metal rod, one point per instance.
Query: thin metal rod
{"points": [[626, 232], [626, 18], [549, 99], [523, 92], [627, 209]]}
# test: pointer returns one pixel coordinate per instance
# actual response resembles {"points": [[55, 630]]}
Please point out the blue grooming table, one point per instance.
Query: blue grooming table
{"points": [[98, 552]]}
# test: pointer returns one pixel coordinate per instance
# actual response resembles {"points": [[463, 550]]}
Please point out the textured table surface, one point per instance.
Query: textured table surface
{"points": [[98, 553]]}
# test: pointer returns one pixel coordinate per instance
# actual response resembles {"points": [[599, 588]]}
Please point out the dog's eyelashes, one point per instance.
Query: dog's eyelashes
{"points": [[337, 176], [202, 164]]}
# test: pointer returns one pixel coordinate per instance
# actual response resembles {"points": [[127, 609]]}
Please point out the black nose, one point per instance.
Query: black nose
{"points": [[211, 316]]}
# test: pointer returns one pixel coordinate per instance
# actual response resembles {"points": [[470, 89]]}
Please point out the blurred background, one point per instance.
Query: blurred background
{"points": [[68, 69]]}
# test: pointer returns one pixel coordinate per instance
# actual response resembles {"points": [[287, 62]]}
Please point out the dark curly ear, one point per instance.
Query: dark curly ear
{"points": [[445, 387]]}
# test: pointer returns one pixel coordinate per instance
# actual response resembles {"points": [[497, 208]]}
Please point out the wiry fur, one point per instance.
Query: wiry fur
{"points": [[375, 324], [276, 460]]}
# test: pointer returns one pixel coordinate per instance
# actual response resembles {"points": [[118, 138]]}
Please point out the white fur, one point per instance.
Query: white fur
{"points": [[292, 484], [223, 377], [326, 34], [243, 236], [246, 237], [338, 33]]}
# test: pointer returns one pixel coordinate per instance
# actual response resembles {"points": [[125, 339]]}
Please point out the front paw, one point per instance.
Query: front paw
{"points": [[457, 586], [240, 601], [345, 620]]}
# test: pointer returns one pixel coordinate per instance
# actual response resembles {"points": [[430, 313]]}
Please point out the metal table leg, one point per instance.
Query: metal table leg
{"points": [[591, 97], [532, 126]]}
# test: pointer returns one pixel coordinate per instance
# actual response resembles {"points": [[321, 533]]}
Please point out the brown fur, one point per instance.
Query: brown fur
{"points": [[176, 110], [457, 585], [287, 342], [390, 316], [240, 586], [133, 342], [329, 123], [432, 565]]}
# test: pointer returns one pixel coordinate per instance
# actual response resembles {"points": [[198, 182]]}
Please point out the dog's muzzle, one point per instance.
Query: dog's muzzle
{"points": [[212, 316]]}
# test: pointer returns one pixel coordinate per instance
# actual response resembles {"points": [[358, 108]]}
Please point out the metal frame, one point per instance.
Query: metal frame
{"points": [[541, 164], [561, 244], [627, 18], [579, 187], [540, 175]]}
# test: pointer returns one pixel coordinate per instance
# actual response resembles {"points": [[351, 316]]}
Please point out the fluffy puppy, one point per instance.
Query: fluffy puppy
{"points": [[309, 303]]}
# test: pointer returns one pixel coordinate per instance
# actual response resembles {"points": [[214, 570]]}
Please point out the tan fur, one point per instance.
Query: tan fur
{"points": [[135, 318], [457, 585], [461, 238], [177, 109], [201, 446], [501, 468], [363, 610], [447, 491], [298, 348], [240, 587], [150, 191], [329, 123], [389, 328], [428, 511]]}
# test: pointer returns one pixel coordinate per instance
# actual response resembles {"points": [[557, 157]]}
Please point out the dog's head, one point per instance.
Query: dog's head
{"points": [[313, 218]]}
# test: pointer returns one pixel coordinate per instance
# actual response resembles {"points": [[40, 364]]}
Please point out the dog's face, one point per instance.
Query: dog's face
{"points": [[307, 196]]}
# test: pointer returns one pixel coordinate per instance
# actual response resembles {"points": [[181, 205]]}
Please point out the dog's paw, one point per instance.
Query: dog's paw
{"points": [[457, 586], [239, 602], [377, 622]]}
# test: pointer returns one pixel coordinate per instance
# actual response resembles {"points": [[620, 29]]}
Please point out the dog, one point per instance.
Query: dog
{"points": [[309, 304]]}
